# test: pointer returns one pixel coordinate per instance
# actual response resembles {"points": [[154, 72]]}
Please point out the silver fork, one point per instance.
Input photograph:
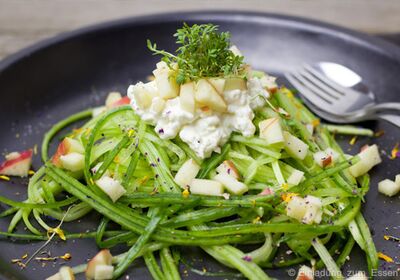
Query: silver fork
{"points": [[336, 102]]}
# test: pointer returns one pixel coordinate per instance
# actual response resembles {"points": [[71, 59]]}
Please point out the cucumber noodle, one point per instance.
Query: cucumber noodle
{"points": [[154, 218]]}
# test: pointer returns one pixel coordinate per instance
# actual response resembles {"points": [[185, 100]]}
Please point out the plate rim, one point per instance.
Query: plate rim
{"points": [[372, 42], [384, 47]]}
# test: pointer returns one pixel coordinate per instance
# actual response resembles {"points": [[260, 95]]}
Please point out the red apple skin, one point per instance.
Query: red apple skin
{"points": [[123, 101], [24, 156], [62, 150], [326, 161], [267, 191]]}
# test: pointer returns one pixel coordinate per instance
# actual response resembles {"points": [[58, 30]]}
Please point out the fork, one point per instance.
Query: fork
{"points": [[339, 103]]}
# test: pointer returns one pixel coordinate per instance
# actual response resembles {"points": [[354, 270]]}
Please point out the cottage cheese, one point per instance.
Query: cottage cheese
{"points": [[204, 132]]}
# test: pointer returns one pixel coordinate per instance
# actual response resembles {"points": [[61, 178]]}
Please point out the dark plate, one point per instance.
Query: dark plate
{"points": [[49, 81]]}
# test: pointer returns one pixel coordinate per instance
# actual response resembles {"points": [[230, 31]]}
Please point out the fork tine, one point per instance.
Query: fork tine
{"points": [[311, 96], [322, 84], [335, 86], [308, 83]]}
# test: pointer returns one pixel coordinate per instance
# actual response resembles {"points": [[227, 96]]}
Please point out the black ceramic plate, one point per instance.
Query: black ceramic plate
{"points": [[49, 81]]}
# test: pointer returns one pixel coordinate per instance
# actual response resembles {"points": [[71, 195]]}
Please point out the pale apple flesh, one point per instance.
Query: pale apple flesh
{"points": [[68, 145], [111, 187], [18, 164], [206, 187], [206, 95], [186, 173], [103, 257], [271, 131]]}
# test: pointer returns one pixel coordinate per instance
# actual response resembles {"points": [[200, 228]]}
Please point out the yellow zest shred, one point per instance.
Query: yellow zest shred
{"points": [[67, 256], [75, 132], [384, 257], [315, 122], [353, 140], [4, 177], [91, 181], [285, 186], [58, 231], [24, 256], [253, 202], [35, 149], [395, 151], [386, 237], [185, 193], [131, 132], [31, 172], [286, 197], [143, 180], [256, 220], [289, 94], [379, 133]]}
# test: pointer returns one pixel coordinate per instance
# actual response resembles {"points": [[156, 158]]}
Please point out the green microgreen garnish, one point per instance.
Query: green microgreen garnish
{"points": [[203, 52]]}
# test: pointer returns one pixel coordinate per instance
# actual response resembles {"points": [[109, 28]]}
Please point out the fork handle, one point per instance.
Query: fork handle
{"points": [[384, 106], [393, 119]]}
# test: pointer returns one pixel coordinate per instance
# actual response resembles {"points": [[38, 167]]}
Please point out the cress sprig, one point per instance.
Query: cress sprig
{"points": [[203, 52]]}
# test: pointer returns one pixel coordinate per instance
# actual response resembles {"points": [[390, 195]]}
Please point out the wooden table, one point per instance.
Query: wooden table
{"points": [[23, 22]]}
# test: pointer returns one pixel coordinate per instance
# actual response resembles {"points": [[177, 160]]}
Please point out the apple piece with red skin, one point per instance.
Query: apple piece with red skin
{"points": [[17, 164], [68, 145], [121, 102]]}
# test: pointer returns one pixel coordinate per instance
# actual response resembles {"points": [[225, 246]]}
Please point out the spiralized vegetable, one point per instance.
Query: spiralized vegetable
{"points": [[153, 215]]}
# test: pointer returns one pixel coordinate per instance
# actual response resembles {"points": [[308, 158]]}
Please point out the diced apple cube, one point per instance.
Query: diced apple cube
{"points": [[111, 187], [313, 210], [103, 272], [305, 273], [166, 83], [322, 158], [369, 157], [187, 173], [161, 65], [294, 146], [12, 155], [18, 164], [66, 273], [186, 97], [295, 178], [296, 208], [332, 153], [397, 179], [67, 146], [158, 104], [218, 84], [121, 102], [141, 95], [269, 83], [206, 95], [74, 146], [271, 131], [73, 161], [231, 184], [235, 83], [112, 97], [388, 187], [206, 187], [227, 167], [102, 258]]}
